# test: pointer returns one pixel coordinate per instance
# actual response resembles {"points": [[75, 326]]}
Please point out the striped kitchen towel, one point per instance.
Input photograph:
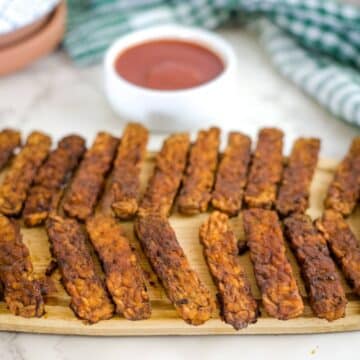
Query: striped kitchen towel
{"points": [[315, 43]]}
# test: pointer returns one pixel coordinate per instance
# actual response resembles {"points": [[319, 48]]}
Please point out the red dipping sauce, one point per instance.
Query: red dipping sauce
{"points": [[168, 65]]}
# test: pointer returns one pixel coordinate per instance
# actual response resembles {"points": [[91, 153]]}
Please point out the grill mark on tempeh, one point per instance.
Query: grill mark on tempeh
{"points": [[294, 191], [195, 193], [89, 299], [9, 141], [124, 276], [273, 272], [238, 306], [344, 190], [14, 189], [124, 189], [88, 181], [165, 181], [265, 170], [344, 246], [52, 175], [231, 175], [21, 291], [184, 288], [326, 294]]}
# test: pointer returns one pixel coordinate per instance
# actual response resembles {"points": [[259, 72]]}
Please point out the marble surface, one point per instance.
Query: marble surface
{"points": [[58, 98]]}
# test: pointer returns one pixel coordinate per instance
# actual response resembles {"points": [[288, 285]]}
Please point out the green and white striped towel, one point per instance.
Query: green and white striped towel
{"points": [[315, 43]]}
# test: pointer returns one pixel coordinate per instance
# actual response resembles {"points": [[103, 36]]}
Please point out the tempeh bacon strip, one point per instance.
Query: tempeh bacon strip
{"points": [[124, 276], [238, 306], [22, 292], [199, 177], [273, 272], [326, 294], [50, 178], [165, 181], [184, 288], [294, 191], [344, 246], [231, 175], [14, 189], [344, 190], [89, 298], [265, 170], [80, 200], [124, 188], [9, 141]]}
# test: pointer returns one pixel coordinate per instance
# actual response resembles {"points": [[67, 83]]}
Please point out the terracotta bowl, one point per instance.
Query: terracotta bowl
{"points": [[24, 32], [41, 39]]}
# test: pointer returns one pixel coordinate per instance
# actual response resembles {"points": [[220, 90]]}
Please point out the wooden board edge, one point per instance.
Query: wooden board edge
{"points": [[175, 327]]}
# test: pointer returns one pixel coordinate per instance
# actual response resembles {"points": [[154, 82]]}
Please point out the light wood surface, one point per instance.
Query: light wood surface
{"points": [[59, 319]]}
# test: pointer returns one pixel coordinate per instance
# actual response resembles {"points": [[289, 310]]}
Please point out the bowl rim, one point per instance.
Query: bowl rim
{"points": [[205, 38]]}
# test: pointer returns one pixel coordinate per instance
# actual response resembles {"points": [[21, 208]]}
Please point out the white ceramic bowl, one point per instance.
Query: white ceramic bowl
{"points": [[210, 103]]}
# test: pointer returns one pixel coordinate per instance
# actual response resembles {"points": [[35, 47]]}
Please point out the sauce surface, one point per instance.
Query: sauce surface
{"points": [[168, 65]]}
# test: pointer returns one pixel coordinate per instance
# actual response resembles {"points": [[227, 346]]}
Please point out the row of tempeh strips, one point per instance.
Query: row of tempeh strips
{"points": [[263, 231], [237, 175], [124, 278], [22, 292], [183, 286], [273, 272], [311, 242], [201, 175], [327, 296]]}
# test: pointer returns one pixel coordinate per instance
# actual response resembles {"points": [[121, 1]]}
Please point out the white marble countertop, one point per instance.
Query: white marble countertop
{"points": [[58, 98]]}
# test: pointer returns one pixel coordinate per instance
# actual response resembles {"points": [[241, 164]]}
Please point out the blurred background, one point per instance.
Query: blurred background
{"points": [[298, 62]]}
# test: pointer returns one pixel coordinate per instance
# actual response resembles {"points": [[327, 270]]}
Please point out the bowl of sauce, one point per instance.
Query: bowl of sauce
{"points": [[171, 77], [168, 65]]}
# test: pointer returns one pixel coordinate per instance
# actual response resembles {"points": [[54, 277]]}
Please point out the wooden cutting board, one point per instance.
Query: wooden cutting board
{"points": [[59, 319]]}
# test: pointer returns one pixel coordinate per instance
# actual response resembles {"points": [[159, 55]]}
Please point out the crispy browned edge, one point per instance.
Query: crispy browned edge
{"points": [[273, 272], [18, 179], [80, 199], [343, 244], [21, 290], [9, 141], [123, 192], [326, 294], [165, 181], [89, 298], [238, 306], [183, 286], [195, 193], [124, 276], [344, 190], [231, 175], [294, 192], [50, 178], [265, 169]]}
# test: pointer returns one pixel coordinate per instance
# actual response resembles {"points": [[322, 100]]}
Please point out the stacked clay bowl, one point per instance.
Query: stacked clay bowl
{"points": [[28, 37]]}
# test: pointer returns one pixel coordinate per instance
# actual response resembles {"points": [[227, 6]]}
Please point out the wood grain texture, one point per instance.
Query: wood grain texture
{"points": [[59, 319]]}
